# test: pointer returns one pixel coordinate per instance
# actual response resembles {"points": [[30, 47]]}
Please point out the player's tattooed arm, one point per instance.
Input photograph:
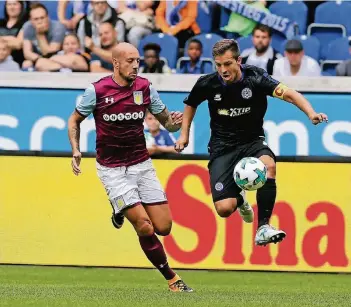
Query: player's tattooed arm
{"points": [[74, 136], [172, 121]]}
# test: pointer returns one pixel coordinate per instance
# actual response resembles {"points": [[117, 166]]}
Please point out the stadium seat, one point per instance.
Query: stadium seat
{"points": [[277, 40], [334, 12], [209, 65], [328, 67], [52, 9], [245, 42], [294, 11], [204, 16], [207, 40], [326, 33], [338, 49], [311, 46], [168, 44], [2, 6]]}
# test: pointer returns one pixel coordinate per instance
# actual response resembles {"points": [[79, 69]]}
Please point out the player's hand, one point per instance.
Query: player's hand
{"points": [[177, 117], [77, 157], [181, 143], [318, 118]]}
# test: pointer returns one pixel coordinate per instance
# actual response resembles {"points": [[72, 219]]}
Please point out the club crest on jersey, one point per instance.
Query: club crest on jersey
{"points": [[246, 93], [138, 97]]}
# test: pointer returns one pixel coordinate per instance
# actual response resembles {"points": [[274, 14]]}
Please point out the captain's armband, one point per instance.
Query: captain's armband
{"points": [[280, 90]]}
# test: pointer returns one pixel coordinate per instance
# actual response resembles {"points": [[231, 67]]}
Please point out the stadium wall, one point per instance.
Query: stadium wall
{"points": [[34, 108], [50, 217]]}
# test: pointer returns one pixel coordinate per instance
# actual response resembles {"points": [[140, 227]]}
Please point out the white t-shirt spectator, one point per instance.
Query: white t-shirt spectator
{"points": [[309, 68]]}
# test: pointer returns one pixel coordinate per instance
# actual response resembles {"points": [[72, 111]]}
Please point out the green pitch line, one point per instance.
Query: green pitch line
{"points": [[56, 286]]}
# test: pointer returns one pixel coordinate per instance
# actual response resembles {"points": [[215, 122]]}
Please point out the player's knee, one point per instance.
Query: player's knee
{"points": [[144, 228], [164, 230], [224, 208]]}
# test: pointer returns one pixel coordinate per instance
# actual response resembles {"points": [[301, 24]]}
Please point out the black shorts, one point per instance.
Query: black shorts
{"points": [[222, 167]]}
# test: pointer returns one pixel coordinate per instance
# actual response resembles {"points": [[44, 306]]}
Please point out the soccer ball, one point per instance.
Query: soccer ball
{"points": [[250, 174]]}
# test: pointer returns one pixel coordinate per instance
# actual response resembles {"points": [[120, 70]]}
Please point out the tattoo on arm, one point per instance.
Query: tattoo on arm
{"points": [[74, 130], [166, 121]]}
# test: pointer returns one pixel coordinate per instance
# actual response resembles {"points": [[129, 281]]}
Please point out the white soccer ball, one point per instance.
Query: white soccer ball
{"points": [[250, 174]]}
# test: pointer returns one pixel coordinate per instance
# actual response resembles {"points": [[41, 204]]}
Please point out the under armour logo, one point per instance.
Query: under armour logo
{"points": [[111, 100]]}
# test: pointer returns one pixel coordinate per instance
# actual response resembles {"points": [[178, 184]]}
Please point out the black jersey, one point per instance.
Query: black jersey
{"points": [[236, 110]]}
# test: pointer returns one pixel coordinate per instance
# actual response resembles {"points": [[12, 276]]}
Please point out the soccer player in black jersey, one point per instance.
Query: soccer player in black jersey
{"points": [[237, 101]]}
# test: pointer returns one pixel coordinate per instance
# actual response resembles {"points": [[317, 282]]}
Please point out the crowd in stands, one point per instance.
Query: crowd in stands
{"points": [[172, 36]]}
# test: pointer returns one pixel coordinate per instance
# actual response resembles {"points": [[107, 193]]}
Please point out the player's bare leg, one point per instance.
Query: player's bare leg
{"points": [[226, 207], [265, 201], [149, 242], [161, 219]]}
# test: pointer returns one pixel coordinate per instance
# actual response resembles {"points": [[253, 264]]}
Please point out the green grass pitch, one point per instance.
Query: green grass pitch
{"points": [[63, 286]]}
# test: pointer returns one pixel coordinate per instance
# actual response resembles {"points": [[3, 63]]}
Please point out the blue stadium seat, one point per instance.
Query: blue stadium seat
{"points": [[277, 40], [204, 16], [52, 9], [332, 12], [2, 7], [295, 11], [207, 40], [326, 33], [338, 49], [329, 67], [311, 46], [168, 44], [245, 42], [208, 64]]}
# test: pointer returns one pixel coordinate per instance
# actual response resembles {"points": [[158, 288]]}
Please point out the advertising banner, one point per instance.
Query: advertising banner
{"points": [[49, 216], [36, 119]]}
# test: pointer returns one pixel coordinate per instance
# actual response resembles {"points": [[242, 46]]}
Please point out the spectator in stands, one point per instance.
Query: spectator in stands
{"points": [[6, 61], [344, 68], [194, 66], [101, 12], [152, 62], [80, 8], [42, 37], [163, 140], [262, 54], [139, 19], [178, 18], [101, 60], [15, 13], [69, 59], [295, 62]]}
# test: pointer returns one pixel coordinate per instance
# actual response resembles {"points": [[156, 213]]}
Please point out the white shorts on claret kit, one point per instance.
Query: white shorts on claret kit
{"points": [[126, 186]]}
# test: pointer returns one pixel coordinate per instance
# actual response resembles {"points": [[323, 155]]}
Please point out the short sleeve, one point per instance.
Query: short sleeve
{"points": [[27, 31], [266, 83], [58, 34], [156, 105], [88, 102], [197, 94]]}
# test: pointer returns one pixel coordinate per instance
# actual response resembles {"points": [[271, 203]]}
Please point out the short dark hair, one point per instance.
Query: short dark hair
{"points": [[196, 41], [37, 5], [224, 45], [263, 28], [152, 46]]}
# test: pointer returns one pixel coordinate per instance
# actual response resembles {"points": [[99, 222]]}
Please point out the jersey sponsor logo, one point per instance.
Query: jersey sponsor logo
{"points": [[233, 112], [280, 91], [217, 97], [246, 93], [109, 100], [123, 116], [138, 97]]}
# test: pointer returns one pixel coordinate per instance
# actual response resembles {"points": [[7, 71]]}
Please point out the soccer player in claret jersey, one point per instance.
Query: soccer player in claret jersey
{"points": [[237, 101], [119, 103]]}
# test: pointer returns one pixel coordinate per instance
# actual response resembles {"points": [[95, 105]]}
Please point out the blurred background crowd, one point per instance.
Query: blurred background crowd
{"points": [[172, 36]]}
